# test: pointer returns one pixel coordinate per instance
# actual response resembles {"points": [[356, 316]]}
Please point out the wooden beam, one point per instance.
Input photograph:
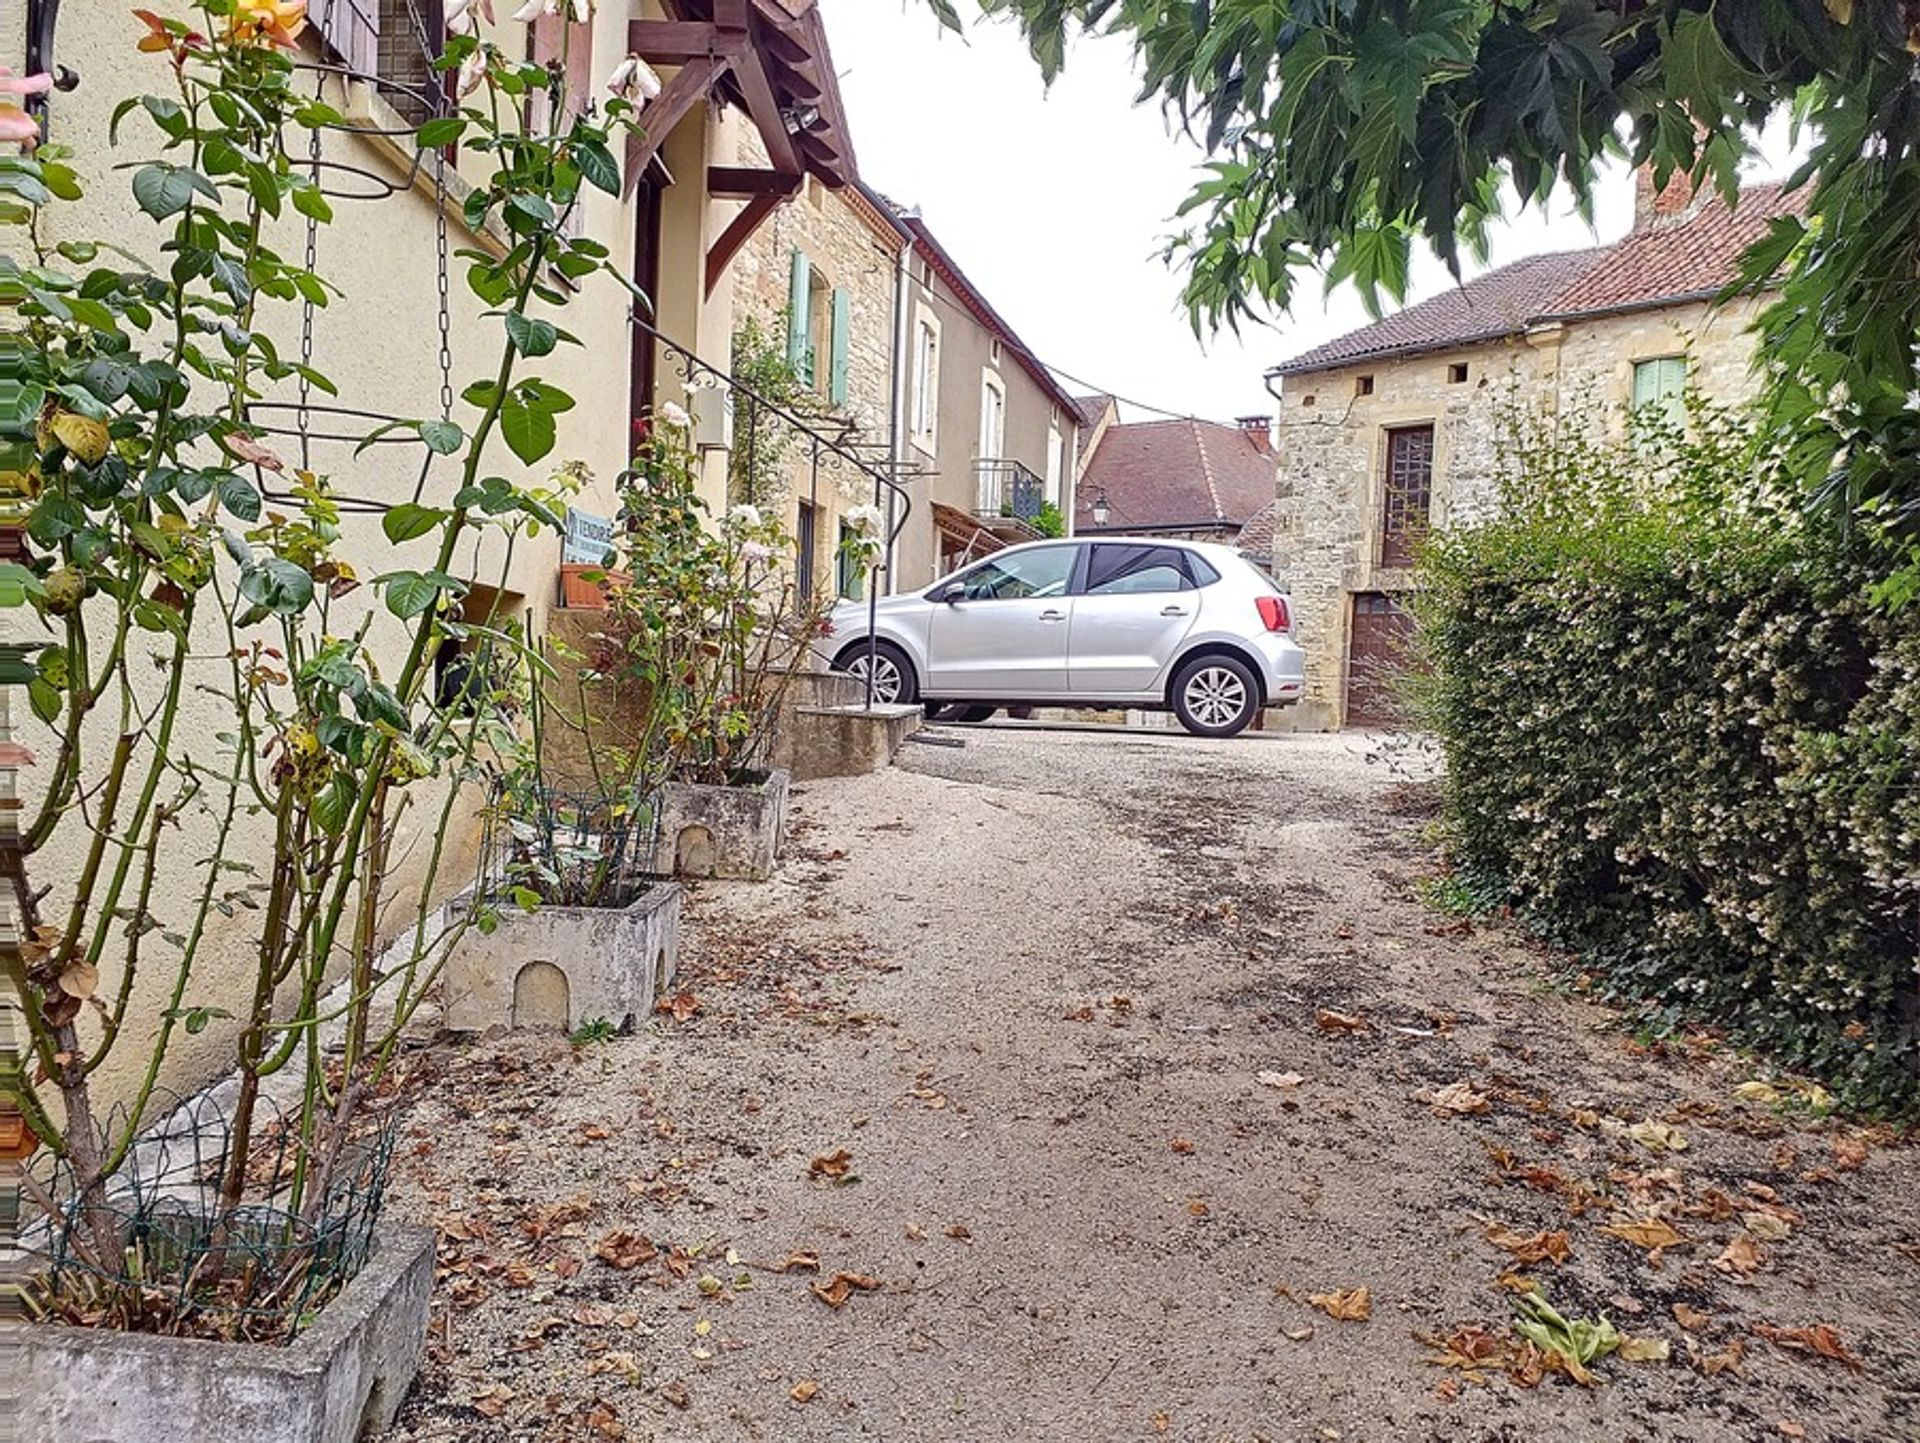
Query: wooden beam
{"points": [[732, 182], [741, 230], [675, 42], [764, 109], [687, 88]]}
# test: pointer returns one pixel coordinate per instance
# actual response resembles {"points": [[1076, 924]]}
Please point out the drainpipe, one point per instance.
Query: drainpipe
{"points": [[897, 421]]}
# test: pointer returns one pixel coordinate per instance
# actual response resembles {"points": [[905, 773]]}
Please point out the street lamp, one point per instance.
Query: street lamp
{"points": [[1101, 510]]}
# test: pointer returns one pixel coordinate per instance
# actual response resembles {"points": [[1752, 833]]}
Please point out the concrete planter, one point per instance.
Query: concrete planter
{"points": [[340, 1381], [560, 967], [709, 831]]}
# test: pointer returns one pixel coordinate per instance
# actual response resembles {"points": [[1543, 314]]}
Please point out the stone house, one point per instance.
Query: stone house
{"points": [[988, 436], [819, 282], [747, 115], [1399, 426], [1177, 477]]}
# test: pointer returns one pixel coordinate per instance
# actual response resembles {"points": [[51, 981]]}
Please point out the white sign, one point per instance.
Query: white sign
{"points": [[589, 540]]}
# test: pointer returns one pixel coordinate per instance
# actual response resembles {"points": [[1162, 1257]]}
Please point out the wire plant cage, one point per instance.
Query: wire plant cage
{"points": [[548, 845], [188, 1264]]}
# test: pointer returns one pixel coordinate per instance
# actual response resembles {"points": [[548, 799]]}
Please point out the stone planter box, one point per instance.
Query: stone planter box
{"points": [[340, 1381], [708, 831], [561, 967]]}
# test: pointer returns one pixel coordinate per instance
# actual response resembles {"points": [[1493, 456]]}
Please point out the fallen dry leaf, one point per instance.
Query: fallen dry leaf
{"points": [[804, 1391], [1769, 1227], [623, 1250], [1283, 1080], [960, 1233], [835, 1165], [1743, 1256], [1181, 1145], [1512, 1282], [1712, 1365], [1690, 1318], [1331, 1021], [1644, 1350], [1456, 1098], [1654, 1234], [1657, 1136], [1790, 1429], [1348, 1305], [676, 1394], [843, 1286], [1849, 1154], [1162, 1422], [680, 1007], [1820, 1339], [1541, 1247], [492, 1402]]}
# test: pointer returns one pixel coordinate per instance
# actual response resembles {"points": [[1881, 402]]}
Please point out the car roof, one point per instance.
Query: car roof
{"points": [[1210, 548]]}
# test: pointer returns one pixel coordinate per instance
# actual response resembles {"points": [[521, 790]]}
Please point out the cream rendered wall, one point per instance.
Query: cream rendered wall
{"points": [[378, 342], [967, 355], [1331, 443]]}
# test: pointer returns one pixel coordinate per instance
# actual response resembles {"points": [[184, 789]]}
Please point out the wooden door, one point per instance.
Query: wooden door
{"points": [[1377, 658]]}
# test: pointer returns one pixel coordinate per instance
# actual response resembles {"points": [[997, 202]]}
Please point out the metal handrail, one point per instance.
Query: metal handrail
{"points": [[1018, 490], [840, 449]]}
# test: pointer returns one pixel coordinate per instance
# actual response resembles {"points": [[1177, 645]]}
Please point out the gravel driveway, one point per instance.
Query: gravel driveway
{"points": [[1064, 1084]]}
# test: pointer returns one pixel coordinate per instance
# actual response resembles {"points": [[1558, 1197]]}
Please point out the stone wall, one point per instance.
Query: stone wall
{"points": [[852, 251], [1331, 441]]}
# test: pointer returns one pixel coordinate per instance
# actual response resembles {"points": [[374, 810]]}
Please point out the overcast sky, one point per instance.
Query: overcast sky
{"points": [[1055, 203]]}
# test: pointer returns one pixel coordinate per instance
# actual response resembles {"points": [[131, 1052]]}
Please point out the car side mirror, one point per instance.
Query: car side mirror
{"points": [[953, 591]]}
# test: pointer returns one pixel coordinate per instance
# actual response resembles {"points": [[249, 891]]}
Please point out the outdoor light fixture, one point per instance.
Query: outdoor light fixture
{"points": [[1101, 510], [800, 117]]}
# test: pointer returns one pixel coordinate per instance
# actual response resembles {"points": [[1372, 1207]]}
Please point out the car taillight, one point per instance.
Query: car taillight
{"points": [[1275, 612]]}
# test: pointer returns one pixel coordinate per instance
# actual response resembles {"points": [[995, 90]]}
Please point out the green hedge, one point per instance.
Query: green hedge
{"points": [[1683, 741]]}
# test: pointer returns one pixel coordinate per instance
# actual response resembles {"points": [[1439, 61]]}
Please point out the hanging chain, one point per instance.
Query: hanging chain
{"points": [[312, 258]]}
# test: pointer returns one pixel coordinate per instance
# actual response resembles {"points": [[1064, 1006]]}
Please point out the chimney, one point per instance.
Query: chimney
{"points": [[1662, 206], [1257, 429]]}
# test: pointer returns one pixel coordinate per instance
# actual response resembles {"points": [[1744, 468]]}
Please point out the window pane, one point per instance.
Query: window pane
{"points": [[1409, 493], [1025, 573], [1117, 570]]}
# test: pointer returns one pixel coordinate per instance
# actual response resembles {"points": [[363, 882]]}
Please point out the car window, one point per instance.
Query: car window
{"points": [[1115, 570], [1042, 572]]}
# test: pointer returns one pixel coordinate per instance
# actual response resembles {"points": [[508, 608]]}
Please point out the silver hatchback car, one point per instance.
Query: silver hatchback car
{"points": [[1114, 622]]}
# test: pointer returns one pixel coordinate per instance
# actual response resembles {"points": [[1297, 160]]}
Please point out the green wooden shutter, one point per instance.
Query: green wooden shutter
{"points": [[797, 289], [842, 324]]}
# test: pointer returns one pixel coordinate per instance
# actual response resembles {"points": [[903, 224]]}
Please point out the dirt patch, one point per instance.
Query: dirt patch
{"points": [[1053, 1079]]}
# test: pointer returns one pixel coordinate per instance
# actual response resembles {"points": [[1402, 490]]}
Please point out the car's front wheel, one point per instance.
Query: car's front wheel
{"points": [[1216, 696], [893, 678]]}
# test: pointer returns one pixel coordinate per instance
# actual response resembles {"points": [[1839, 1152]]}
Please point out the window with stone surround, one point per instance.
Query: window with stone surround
{"points": [[1660, 392], [1408, 494]]}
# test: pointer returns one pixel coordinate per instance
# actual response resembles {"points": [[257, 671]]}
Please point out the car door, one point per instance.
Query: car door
{"points": [[1135, 605], [1006, 637]]}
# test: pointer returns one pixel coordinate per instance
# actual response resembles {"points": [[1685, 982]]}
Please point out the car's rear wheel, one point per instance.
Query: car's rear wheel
{"points": [[1216, 696], [893, 678]]}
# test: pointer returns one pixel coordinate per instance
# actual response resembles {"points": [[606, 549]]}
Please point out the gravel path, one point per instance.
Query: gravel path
{"points": [[1079, 1064]]}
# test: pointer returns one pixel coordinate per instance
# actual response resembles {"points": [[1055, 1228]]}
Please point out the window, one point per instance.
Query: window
{"points": [[1054, 453], [993, 436], [812, 304], [848, 571], [1125, 570], [993, 351], [1660, 392], [1363, 385], [1016, 575], [392, 41], [803, 537], [1409, 493], [467, 670], [1457, 373], [926, 381]]}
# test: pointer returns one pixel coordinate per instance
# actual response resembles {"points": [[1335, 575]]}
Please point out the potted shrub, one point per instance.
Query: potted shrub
{"points": [[227, 751]]}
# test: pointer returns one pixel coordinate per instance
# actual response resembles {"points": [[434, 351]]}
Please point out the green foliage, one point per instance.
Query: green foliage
{"points": [[595, 1030], [1337, 134], [1049, 521], [762, 440], [1682, 742]]}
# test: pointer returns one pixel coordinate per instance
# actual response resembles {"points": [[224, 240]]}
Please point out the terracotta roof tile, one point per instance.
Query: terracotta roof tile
{"points": [[1670, 261], [1675, 260], [1175, 473], [1499, 303]]}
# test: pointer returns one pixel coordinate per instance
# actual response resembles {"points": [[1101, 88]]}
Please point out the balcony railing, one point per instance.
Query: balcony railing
{"points": [[1008, 488]]}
